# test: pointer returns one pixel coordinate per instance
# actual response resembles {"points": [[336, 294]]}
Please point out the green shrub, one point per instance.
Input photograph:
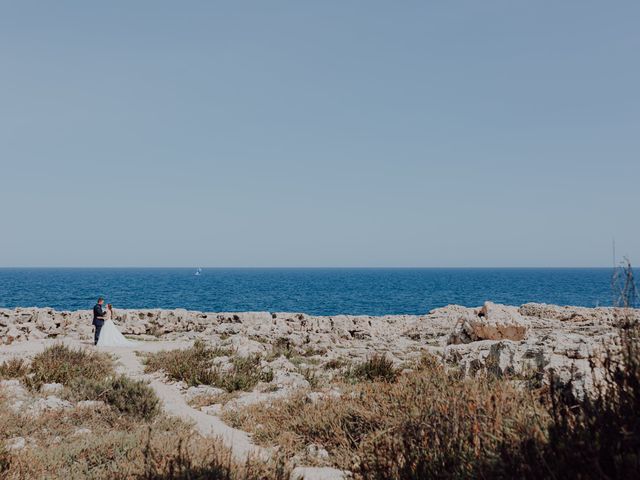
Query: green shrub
{"points": [[191, 365], [335, 364], [311, 376], [61, 364], [245, 374], [282, 347], [131, 397], [377, 367]]}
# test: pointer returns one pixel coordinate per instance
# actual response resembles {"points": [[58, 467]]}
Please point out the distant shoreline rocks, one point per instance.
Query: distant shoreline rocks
{"points": [[507, 339]]}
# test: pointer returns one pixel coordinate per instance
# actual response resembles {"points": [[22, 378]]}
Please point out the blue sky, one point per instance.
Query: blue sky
{"points": [[333, 133]]}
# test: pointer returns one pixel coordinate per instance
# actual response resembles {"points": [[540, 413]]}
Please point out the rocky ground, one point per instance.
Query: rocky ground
{"points": [[309, 354]]}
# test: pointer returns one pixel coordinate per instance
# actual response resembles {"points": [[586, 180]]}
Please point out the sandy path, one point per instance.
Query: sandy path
{"points": [[175, 404]]}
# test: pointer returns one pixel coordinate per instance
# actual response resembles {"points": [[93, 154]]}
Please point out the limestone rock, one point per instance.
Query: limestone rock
{"points": [[16, 443], [284, 379], [45, 322], [215, 409], [12, 335], [51, 388], [578, 314], [315, 450], [318, 473], [92, 404], [282, 363], [200, 390], [15, 393], [491, 322], [49, 403], [246, 347], [502, 339]]}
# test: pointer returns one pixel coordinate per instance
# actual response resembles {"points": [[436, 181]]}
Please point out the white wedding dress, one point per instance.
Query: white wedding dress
{"points": [[110, 336]]}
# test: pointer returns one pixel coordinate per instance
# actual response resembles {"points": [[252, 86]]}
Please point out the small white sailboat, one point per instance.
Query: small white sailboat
{"points": [[198, 272]]}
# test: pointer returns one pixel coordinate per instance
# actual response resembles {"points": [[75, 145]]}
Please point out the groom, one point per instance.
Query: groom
{"points": [[98, 319]]}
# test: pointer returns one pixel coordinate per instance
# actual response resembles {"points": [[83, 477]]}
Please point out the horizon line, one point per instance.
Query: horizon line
{"points": [[290, 267]]}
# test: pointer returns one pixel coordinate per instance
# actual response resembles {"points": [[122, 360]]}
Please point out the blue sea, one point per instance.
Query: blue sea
{"points": [[318, 291]]}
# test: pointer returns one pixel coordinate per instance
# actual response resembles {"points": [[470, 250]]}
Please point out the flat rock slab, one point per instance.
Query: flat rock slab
{"points": [[318, 473]]}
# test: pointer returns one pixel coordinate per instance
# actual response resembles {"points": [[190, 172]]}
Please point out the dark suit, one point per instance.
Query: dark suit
{"points": [[98, 321]]}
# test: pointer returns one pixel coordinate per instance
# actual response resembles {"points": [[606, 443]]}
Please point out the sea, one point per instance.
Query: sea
{"points": [[316, 291]]}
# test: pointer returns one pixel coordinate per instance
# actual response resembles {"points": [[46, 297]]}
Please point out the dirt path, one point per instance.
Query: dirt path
{"points": [[175, 404]]}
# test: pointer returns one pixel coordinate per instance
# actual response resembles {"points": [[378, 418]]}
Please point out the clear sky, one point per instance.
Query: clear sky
{"points": [[326, 133]]}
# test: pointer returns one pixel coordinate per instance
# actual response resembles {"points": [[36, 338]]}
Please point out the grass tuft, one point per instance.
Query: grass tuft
{"points": [[62, 364], [244, 374], [377, 367], [130, 397], [194, 366], [191, 365], [426, 418], [14, 368]]}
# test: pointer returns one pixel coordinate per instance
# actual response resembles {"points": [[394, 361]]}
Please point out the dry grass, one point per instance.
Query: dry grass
{"points": [[449, 423], [14, 368], [198, 458], [166, 449], [194, 366], [335, 364], [245, 374], [376, 368], [594, 437], [432, 423], [191, 365], [117, 447], [130, 397], [282, 347], [61, 364], [86, 375]]}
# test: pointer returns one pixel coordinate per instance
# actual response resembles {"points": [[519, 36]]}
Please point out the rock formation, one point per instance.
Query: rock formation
{"points": [[526, 340]]}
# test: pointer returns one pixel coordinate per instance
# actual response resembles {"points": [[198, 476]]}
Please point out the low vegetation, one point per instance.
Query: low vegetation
{"points": [[126, 438], [441, 418], [85, 375], [429, 422], [595, 436], [104, 445], [190, 365], [433, 423], [282, 347], [335, 364], [377, 367], [62, 364], [13, 368], [244, 374], [195, 367], [131, 397]]}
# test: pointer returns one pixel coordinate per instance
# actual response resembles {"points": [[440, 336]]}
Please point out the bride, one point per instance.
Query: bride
{"points": [[110, 336]]}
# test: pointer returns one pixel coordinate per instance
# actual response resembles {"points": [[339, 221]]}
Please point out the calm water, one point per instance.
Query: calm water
{"points": [[315, 291]]}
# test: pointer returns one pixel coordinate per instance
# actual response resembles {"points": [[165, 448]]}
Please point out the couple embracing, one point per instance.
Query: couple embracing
{"points": [[106, 333]]}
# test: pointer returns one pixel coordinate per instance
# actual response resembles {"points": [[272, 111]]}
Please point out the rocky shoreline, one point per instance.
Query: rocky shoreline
{"points": [[532, 338], [297, 356]]}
